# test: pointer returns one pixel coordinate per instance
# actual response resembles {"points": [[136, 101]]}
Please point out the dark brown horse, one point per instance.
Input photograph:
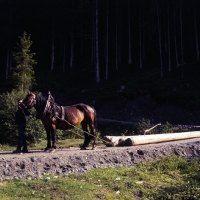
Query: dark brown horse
{"points": [[55, 117]]}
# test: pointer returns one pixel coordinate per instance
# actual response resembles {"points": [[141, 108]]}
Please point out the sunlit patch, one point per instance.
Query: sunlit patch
{"points": [[90, 109], [3, 184]]}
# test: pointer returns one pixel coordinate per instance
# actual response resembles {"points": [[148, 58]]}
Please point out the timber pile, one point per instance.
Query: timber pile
{"points": [[148, 139]]}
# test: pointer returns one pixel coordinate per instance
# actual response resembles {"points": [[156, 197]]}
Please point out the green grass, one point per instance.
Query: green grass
{"points": [[168, 178], [63, 143], [42, 144]]}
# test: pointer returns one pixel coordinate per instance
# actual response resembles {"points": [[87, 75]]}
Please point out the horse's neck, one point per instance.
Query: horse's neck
{"points": [[40, 104]]}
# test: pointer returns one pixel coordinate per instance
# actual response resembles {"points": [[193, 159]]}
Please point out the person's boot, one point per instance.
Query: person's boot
{"points": [[24, 150], [17, 151]]}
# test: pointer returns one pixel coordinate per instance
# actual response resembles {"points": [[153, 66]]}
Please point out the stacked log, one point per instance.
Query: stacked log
{"points": [[148, 139]]}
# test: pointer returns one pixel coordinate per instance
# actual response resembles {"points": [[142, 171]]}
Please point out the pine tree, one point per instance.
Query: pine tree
{"points": [[23, 74]]}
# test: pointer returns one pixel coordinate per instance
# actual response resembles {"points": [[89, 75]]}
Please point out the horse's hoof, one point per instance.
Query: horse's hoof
{"points": [[47, 149], [83, 148], [94, 147], [52, 150]]}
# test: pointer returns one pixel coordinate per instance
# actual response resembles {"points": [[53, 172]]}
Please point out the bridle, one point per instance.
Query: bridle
{"points": [[31, 101]]}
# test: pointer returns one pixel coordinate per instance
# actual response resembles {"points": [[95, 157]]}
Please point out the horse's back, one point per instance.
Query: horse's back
{"points": [[79, 112], [84, 107]]}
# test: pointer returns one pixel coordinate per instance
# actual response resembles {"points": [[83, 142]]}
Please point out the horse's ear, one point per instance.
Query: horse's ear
{"points": [[30, 93]]}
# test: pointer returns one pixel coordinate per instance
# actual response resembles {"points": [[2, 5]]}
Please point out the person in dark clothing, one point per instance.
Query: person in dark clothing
{"points": [[21, 117]]}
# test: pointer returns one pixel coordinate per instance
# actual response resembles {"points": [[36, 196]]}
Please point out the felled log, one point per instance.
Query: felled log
{"points": [[148, 130], [147, 139], [116, 121]]}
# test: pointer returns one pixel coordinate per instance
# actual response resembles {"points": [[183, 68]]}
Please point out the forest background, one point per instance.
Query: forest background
{"points": [[97, 51]]}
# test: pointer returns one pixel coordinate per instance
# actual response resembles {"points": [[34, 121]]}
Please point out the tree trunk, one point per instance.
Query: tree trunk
{"points": [[7, 61], [81, 34], [175, 40], [93, 39], [52, 46], [117, 121], [143, 33], [181, 38], [106, 76], [72, 45], [9, 52], [196, 34], [116, 37], [168, 32], [129, 35], [97, 43], [72, 38], [64, 54], [119, 33], [140, 37], [147, 139], [164, 29], [10, 62], [160, 44]]}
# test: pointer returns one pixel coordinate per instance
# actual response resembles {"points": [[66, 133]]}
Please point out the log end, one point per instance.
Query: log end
{"points": [[127, 142], [108, 142]]}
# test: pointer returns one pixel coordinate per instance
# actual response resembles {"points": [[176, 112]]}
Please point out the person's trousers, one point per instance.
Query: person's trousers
{"points": [[21, 136]]}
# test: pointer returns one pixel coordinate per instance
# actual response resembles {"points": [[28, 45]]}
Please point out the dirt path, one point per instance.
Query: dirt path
{"points": [[72, 160]]}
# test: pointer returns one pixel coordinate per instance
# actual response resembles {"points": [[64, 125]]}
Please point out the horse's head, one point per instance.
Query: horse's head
{"points": [[30, 100]]}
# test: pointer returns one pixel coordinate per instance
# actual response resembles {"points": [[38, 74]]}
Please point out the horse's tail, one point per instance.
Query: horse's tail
{"points": [[95, 119]]}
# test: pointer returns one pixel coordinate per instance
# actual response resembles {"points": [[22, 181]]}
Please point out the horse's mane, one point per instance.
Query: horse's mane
{"points": [[41, 100], [40, 103]]}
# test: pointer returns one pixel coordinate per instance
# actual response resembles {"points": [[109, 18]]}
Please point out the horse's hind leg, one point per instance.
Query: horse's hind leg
{"points": [[93, 135], [87, 137]]}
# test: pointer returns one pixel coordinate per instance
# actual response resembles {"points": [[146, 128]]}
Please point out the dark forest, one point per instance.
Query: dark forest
{"points": [[106, 39]]}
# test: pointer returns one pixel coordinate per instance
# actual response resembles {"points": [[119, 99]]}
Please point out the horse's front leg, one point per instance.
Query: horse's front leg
{"points": [[48, 140], [53, 137]]}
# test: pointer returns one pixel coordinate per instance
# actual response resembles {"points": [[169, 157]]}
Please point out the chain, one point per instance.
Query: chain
{"points": [[80, 130]]}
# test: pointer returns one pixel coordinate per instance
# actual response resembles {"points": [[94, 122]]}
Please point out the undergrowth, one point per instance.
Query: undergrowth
{"points": [[170, 178]]}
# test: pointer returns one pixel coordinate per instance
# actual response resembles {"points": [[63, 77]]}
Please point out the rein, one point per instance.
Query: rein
{"points": [[49, 106], [43, 115], [75, 127]]}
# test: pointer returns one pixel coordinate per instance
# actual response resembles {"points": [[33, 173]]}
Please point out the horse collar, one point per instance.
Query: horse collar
{"points": [[33, 100]]}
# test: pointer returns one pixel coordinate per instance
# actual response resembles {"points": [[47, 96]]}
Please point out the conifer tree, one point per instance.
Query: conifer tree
{"points": [[23, 74]]}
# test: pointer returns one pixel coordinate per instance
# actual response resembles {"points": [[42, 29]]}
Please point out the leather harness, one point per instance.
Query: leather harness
{"points": [[49, 107]]}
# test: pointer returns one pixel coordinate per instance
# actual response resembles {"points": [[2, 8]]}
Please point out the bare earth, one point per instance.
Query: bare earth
{"points": [[72, 160]]}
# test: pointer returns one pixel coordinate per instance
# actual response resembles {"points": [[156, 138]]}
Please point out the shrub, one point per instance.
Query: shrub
{"points": [[8, 131]]}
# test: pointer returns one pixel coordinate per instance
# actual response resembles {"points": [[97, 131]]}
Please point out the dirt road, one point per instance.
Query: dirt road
{"points": [[72, 160]]}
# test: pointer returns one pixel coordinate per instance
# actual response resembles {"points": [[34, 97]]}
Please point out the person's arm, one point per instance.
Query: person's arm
{"points": [[27, 112]]}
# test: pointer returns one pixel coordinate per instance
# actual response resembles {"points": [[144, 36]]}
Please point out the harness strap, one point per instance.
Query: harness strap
{"points": [[43, 115], [63, 112], [75, 127], [48, 106]]}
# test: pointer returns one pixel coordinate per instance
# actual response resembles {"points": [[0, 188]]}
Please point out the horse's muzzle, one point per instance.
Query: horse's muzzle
{"points": [[23, 105]]}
